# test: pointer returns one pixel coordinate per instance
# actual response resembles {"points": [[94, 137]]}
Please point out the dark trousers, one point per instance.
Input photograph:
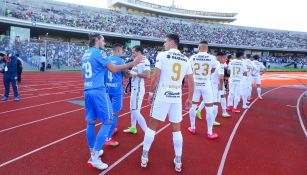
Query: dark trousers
{"points": [[128, 86], [7, 81], [19, 77], [43, 67]]}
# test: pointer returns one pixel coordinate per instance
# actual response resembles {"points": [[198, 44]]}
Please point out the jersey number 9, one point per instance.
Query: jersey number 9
{"points": [[88, 69], [177, 71]]}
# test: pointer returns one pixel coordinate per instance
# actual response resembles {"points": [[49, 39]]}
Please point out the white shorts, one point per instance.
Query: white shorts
{"points": [[137, 95], [250, 80], [159, 111], [205, 93], [257, 79], [235, 88], [215, 92]]}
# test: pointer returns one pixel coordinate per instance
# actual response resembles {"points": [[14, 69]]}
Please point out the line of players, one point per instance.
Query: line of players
{"points": [[103, 92]]}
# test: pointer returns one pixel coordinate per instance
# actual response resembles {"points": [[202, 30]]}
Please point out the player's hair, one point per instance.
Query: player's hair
{"points": [[221, 54], [239, 54], [92, 39], [204, 42], [139, 48], [115, 46], [256, 57], [174, 37], [248, 55]]}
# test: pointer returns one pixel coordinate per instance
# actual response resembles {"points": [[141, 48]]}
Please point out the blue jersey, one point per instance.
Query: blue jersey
{"points": [[94, 68], [114, 81]]}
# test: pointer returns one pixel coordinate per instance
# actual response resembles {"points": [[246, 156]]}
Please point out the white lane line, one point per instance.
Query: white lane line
{"points": [[299, 114], [291, 106], [132, 151], [222, 163], [35, 121], [28, 107], [57, 141], [53, 143]]}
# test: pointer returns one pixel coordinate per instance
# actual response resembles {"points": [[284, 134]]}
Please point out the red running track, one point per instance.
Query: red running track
{"points": [[57, 145]]}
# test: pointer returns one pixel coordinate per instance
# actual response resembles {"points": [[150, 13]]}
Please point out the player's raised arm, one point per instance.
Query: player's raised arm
{"points": [[117, 68]]}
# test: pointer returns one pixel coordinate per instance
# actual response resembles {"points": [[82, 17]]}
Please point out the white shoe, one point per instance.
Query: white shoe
{"points": [[97, 164], [144, 162], [100, 153], [177, 166], [245, 107], [226, 115]]}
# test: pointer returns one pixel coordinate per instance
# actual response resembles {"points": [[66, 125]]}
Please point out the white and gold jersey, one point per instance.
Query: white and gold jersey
{"points": [[174, 66], [139, 68], [258, 67], [237, 69], [202, 64]]}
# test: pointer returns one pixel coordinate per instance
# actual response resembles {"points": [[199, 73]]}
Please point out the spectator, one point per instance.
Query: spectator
{"points": [[43, 63]]}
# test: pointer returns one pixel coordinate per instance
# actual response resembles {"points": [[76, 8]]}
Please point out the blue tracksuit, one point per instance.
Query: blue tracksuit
{"points": [[10, 76]]}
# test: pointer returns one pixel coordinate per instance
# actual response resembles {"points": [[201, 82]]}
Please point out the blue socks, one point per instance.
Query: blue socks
{"points": [[113, 126], [102, 136], [90, 134], [96, 142]]}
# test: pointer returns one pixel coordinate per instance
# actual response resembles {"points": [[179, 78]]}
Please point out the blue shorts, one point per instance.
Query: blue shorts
{"points": [[117, 102], [98, 106]]}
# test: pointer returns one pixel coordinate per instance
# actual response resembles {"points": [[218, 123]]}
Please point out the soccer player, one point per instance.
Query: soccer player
{"points": [[218, 88], [257, 72], [114, 85], [247, 82], [165, 96], [203, 65], [138, 73], [97, 103], [237, 71], [217, 79]]}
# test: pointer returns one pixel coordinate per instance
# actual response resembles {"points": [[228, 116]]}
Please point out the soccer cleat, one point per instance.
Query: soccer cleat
{"points": [[213, 136], [111, 142], [235, 110], [198, 114], [192, 131], [4, 99], [215, 123], [144, 162], [130, 130], [245, 107], [228, 108], [225, 115], [177, 166], [260, 98], [96, 164], [16, 99]]}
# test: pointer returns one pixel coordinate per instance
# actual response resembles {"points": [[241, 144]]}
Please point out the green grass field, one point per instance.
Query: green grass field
{"points": [[287, 69]]}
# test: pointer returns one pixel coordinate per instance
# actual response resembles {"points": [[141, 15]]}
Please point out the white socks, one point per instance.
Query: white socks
{"points": [[136, 114], [177, 140], [148, 139], [192, 115], [223, 104], [259, 91], [210, 119]]}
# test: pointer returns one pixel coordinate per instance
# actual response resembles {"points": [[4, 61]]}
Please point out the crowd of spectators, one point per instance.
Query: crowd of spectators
{"points": [[154, 27]]}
